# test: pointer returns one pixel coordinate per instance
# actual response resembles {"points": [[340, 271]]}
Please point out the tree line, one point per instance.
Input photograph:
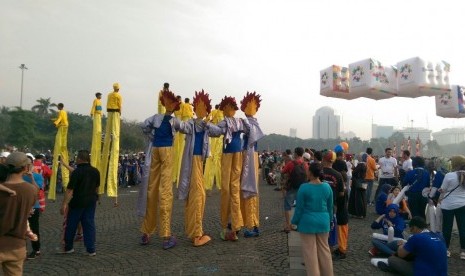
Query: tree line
{"points": [[33, 130]]}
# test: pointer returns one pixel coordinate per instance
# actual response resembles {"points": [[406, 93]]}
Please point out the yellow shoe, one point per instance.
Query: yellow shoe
{"points": [[202, 240]]}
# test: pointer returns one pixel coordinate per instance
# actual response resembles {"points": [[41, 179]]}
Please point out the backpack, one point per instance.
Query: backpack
{"points": [[297, 176]]}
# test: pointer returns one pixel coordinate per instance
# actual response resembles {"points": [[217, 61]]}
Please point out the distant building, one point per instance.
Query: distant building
{"points": [[293, 132], [449, 136], [326, 124], [381, 131], [347, 135], [414, 132]]}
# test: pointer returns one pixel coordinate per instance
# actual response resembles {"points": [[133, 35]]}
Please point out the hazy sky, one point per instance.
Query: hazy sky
{"points": [[277, 48]]}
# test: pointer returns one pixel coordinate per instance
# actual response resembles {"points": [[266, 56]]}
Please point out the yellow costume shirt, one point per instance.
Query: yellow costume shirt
{"points": [[187, 111], [96, 107], [115, 101], [62, 119]]}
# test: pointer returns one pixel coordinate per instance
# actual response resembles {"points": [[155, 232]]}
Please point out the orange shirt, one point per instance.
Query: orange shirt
{"points": [[371, 168]]}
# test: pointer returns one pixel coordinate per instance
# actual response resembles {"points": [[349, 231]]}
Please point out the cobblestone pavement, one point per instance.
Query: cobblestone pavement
{"points": [[119, 252]]}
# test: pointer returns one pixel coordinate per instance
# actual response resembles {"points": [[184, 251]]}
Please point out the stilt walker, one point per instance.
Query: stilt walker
{"points": [[160, 186], [231, 167], [187, 113], [110, 155], [249, 180], [96, 148], [212, 172], [191, 184], [60, 149]]}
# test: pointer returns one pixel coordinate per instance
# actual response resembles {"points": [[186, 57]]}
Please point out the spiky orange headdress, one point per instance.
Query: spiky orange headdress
{"points": [[248, 99], [228, 100], [202, 98], [169, 101]]}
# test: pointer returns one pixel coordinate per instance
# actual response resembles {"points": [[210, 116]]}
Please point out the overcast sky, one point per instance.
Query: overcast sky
{"points": [[277, 48]]}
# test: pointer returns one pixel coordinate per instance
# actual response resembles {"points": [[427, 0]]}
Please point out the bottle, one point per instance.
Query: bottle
{"points": [[390, 234]]}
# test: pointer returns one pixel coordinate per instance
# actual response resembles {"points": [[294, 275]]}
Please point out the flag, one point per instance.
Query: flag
{"points": [[409, 147], [395, 149], [417, 146]]}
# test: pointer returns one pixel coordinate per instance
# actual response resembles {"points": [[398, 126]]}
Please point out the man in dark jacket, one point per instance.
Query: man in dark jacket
{"points": [[80, 202]]}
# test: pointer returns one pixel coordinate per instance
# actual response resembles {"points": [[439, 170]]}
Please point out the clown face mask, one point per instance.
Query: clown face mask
{"points": [[229, 111]]}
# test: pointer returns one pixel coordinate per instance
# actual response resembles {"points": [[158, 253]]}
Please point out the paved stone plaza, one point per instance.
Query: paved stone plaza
{"points": [[273, 253]]}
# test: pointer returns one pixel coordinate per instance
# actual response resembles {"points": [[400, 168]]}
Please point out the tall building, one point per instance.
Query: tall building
{"points": [[293, 132], [326, 124], [449, 136], [378, 131]]}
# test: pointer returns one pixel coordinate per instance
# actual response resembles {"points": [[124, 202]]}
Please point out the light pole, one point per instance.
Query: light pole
{"points": [[22, 67]]}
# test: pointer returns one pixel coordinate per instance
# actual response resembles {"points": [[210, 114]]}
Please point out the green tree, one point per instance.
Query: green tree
{"points": [[21, 131], [44, 107]]}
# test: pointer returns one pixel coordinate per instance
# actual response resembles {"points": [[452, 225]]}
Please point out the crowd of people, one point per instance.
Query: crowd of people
{"points": [[192, 147]]}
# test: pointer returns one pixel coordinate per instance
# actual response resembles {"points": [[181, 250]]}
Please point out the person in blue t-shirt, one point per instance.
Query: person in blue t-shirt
{"points": [[427, 248], [418, 179]]}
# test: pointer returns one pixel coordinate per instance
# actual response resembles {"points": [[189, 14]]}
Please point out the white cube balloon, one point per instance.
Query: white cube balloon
{"points": [[334, 82], [450, 104], [418, 77], [370, 78]]}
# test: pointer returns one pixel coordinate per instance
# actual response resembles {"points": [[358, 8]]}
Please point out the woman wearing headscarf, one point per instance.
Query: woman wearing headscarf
{"points": [[382, 198], [357, 198], [392, 219], [453, 202]]}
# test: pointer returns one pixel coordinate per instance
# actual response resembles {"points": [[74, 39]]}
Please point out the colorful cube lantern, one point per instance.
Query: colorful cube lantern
{"points": [[370, 78], [418, 77], [450, 104], [334, 82]]}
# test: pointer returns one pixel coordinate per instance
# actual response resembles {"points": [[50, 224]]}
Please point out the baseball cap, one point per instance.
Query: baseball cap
{"points": [[307, 156], [17, 159], [329, 156], [4, 154], [30, 156]]}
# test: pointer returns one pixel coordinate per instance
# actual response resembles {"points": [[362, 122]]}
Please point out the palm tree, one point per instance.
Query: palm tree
{"points": [[44, 107]]}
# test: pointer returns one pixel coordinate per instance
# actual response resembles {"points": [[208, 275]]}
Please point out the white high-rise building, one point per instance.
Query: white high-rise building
{"points": [[293, 132], [326, 124]]}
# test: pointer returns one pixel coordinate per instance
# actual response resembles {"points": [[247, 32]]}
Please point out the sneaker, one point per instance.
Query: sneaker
{"points": [[93, 254], [199, 241], [373, 251], [144, 240], [223, 234], [66, 251], [169, 243], [251, 234], [232, 236], [33, 255], [384, 267], [78, 238], [462, 255]]}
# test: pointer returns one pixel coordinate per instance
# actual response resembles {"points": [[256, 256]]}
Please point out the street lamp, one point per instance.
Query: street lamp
{"points": [[22, 67]]}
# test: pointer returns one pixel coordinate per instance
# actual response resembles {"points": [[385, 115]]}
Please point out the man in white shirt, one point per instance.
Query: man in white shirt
{"points": [[406, 164], [388, 169]]}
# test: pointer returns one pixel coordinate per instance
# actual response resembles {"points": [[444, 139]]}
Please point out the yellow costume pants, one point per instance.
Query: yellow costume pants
{"points": [[60, 148], [96, 148], [195, 204], [250, 206], [159, 193], [231, 164], [179, 141], [109, 162], [213, 164]]}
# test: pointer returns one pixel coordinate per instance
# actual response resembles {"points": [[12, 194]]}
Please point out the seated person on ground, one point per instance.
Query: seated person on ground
{"points": [[390, 219], [404, 211], [381, 199]]}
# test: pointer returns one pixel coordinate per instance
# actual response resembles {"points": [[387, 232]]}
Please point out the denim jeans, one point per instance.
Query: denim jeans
{"points": [[385, 247], [447, 222]]}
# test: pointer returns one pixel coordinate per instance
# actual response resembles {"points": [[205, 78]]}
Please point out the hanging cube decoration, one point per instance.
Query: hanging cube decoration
{"points": [[370, 78], [334, 82], [418, 77], [450, 104]]}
